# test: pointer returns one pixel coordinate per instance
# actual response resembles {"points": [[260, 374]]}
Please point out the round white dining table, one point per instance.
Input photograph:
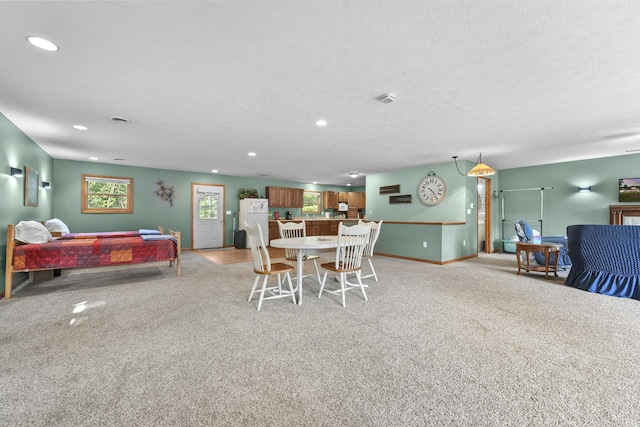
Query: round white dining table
{"points": [[304, 246]]}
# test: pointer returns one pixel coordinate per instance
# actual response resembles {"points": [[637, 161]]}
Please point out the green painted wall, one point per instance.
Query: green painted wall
{"points": [[18, 150], [563, 205], [148, 210], [443, 242]]}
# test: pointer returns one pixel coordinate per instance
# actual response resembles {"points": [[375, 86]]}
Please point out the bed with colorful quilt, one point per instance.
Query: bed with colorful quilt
{"points": [[32, 247]]}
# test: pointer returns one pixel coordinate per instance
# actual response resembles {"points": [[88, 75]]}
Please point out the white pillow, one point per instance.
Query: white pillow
{"points": [[32, 232], [56, 225]]}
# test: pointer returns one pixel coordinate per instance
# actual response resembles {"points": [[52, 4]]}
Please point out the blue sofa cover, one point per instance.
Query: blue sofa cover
{"points": [[606, 259]]}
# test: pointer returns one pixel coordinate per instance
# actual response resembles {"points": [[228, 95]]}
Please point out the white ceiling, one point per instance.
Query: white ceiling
{"points": [[203, 83]]}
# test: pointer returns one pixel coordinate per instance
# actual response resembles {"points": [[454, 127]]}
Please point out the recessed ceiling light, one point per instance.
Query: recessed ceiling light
{"points": [[348, 185], [43, 44], [214, 170], [80, 127], [252, 154], [321, 123], [93, 158], [315, 182], [353, 174]]}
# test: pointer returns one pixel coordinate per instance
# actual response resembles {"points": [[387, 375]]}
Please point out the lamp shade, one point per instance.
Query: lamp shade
{"points": [[481, 170]]}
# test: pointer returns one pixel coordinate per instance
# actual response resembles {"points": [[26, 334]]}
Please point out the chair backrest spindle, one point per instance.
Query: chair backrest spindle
{"points": [[259, 252], [290, 230], [351, 243]]}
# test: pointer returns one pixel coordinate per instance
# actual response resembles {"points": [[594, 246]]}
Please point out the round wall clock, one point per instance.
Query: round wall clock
{"points": [[432, 190]]}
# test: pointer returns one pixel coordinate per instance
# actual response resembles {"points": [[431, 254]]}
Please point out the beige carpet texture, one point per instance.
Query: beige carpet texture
{"points": [[465, 344]]}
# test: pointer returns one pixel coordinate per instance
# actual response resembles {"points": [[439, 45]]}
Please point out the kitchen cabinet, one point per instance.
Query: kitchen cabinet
{"points": [[283, 197], [274, 231], [295, 197], [356, 200], [351, 199], [277, 197], [318, 228], [330, 199]]}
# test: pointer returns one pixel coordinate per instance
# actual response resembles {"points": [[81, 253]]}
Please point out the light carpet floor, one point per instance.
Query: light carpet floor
{"points": [[466, 344]]}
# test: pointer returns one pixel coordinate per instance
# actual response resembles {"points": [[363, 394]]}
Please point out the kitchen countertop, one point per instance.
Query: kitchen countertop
{"points": [[315, 219]]}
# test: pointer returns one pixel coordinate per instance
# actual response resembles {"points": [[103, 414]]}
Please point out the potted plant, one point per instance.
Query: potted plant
{"points": [[248, 193]]}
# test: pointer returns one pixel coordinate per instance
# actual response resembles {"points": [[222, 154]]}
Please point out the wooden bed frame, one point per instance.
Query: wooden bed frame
{"points": [[12, 243]]}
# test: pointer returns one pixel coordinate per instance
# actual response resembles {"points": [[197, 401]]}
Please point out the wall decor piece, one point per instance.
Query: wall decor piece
{"points": [[388, 189], [629, 190], [31, 183], [165, 193], [405, 198], [432, 189]]}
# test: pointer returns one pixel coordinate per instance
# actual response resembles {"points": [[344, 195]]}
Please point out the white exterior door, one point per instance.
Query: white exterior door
{"points": [[207, 216]]}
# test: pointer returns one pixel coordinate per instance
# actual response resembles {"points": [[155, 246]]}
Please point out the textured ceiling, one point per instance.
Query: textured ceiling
{"points": [[203, 83]]}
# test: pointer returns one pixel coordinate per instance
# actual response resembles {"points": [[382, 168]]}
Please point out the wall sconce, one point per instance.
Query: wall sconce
{"points": [[584, 189], [45, 184], [480, 169], [16, 172]]}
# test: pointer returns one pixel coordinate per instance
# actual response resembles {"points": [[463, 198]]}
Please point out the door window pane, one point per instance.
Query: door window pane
{"points": [[208, 206]]}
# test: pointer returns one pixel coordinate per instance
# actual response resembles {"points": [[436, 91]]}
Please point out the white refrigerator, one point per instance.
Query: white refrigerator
{"points": [[255, 211]]}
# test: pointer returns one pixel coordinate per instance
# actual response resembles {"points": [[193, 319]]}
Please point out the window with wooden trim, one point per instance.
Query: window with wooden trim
{"points": [[107, 194], [312, 202]]}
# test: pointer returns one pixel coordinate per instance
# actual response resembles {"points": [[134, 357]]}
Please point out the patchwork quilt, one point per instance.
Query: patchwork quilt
{"points": [[93, 252]]}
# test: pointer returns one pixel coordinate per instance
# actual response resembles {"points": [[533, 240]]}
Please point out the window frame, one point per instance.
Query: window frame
{"points": [[86, 178], [318, 194]]}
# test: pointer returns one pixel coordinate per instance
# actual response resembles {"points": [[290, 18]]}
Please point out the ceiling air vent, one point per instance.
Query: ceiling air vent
{"points": [[120, 120], [387, 98]]}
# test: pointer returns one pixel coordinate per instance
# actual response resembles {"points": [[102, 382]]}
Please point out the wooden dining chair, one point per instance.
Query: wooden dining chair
{"points": [[368, 250], [351, 243], [264, 268], [296, 229]]}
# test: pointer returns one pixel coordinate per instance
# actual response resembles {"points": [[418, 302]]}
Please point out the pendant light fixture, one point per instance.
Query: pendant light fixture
{"points": [[480, 169]]}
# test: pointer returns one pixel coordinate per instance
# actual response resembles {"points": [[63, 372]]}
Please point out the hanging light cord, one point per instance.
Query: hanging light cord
{"points": [[455, 159]]}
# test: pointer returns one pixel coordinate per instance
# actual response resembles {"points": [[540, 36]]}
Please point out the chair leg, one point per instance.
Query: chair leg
{"points": [[253, 290], [324, 280], [288, 277], [361, 287], [343, 278], [373, 270], [317, 270], [264, 288]]}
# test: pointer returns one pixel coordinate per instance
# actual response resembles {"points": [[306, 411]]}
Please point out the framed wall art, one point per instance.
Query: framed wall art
{"points": [[405, 198], [31, 181], [387, 189]]}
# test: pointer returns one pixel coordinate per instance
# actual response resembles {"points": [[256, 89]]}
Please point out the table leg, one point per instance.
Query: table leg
{"points": [[546, 263], [299, 273]]}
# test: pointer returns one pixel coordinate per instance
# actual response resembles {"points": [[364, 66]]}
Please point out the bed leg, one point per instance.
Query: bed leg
{"points": [[8, 271]]}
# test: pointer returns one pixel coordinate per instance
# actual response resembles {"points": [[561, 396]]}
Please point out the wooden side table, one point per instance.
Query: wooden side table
{"points": [[546, 248]]}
